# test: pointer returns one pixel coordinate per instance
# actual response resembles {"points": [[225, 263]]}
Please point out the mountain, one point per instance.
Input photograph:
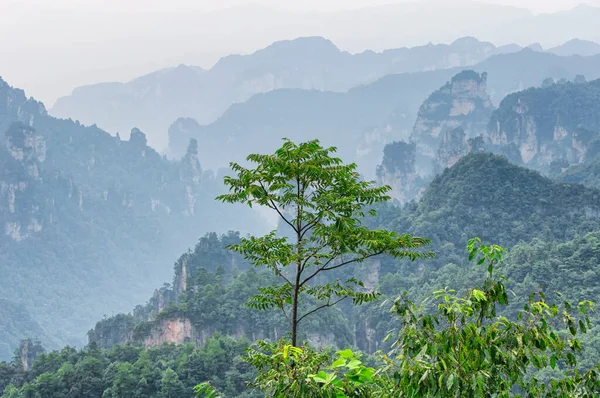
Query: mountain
{"points": [[88, 220], [549, 29], [462, 103], [576, 47], [207, 296], [152, 102], [548, 126], [450, 124], [485, 195], [548, 129], [361, 121], [15, 325], [481, 195]]}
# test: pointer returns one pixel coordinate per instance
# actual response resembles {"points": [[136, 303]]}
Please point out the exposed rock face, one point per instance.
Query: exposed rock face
{"points": [[177, 331], [553, 124], [87, 209], [445, 130], [461, 103], [28, 352], [454, 146], [399, 171]]}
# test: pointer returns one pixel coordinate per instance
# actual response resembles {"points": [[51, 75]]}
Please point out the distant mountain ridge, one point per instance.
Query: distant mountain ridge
{"points": [[576, 47], [153, 101], [361, 121]]}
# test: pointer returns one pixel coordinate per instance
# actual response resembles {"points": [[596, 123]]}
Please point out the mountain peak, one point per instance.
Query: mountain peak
{"points": [[302, 45], [576, 47], [467, 41]]}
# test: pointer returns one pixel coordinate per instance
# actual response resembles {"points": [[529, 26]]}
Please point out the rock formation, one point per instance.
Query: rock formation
{"points": [[461, 103], [398, 170], [542, 126]]}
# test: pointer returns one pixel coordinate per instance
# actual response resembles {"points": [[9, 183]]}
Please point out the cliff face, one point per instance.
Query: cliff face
{"points": [[542, 126], [399, 171], [449, 125], [454, 146], [461, 103], [85, 209]]}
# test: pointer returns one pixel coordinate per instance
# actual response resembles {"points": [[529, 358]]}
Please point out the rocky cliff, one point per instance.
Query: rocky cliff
{"points": [[399, 171], [87, 220], [542, 126], [463, 103]]}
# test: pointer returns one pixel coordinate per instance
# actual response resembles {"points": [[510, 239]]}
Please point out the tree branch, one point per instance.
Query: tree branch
{"points": [[325, 268], [313, 254], [354, 260], [329, 304], [278, 272], [274, 207]]}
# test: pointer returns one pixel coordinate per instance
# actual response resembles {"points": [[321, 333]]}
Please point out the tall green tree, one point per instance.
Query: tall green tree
{"points": [[321, 201]]}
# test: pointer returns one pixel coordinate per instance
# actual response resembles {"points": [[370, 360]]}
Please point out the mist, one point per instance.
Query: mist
{"points": [[54, 46]]}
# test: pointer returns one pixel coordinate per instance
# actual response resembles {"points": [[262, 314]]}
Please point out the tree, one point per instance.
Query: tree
{"points": [[322, 202], [171, 386]]}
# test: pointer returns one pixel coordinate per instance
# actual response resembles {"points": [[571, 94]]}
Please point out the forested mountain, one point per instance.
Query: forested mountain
{"points": [[88, 220], [152, 102], [554, 126], [362, 120], [549, 228], [460, 203], [554, 129]]}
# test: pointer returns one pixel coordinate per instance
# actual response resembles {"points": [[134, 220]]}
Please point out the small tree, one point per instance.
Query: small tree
{"points": [[322, 201]]}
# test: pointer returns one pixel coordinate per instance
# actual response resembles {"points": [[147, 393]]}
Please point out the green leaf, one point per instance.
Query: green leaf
{"points": [[346, 354]]}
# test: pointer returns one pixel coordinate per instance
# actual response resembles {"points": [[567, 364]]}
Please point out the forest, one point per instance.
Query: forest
{"points": [[502, 285]]}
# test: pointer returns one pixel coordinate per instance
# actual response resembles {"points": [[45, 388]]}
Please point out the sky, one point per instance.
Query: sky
{"points": [[50, 47], [537, 6]]}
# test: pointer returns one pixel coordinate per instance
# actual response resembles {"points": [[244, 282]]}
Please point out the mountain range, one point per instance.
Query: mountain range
{"points": [[361, 121], [88, 220], [146, 41], [154, 101]]}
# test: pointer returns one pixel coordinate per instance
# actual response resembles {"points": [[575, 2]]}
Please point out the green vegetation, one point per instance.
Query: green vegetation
{"points": [[322, 201], [89, 220], [492, 334], [168, 371], [454, 346]]}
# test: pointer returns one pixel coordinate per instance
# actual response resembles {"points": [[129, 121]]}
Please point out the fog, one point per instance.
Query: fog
{"points": [[50, 47]]}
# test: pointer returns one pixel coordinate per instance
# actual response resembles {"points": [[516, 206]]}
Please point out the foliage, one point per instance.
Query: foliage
{"points": [[468, 349], [95, 219], [322, 201], [460, 346], [168, 371]]}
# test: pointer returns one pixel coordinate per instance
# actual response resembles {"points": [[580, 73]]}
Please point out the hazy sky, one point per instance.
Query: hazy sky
{"points": [[291, 5], [51, 46]]}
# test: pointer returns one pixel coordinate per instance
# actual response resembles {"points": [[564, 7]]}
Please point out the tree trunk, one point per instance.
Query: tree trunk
{"points": [[295, 317]]}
